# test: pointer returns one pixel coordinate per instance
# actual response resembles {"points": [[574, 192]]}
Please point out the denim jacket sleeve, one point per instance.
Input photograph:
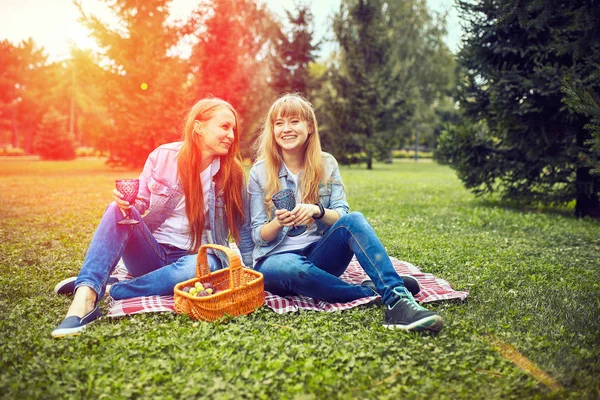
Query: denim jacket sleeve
{"points": [[337, 200], [246, 244], [257, 206]]}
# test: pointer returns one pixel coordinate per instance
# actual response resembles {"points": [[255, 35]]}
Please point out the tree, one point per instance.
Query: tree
{"points": [[426, 70], [27, 83], [53, 140], [145, 87], [515, 58], [86, 99], [391, 73], [294, 51], [365, 80], [583, 102], [229, 60]]}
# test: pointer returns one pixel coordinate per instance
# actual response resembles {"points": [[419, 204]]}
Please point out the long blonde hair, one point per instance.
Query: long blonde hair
{"points": [[229, 179], [291, 105]]}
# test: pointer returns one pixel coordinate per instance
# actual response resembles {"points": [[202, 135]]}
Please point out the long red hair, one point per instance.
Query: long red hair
{"points": [[229, 180]]}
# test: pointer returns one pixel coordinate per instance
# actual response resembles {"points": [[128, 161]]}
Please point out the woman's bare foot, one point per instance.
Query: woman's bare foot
{"points": [[84, 301]]}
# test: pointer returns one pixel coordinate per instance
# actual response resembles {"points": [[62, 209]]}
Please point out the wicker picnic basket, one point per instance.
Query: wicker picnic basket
{"points": [[239, 290]]}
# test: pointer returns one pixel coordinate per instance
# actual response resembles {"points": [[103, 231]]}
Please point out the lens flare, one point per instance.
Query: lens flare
{"points": [[144, 86]]}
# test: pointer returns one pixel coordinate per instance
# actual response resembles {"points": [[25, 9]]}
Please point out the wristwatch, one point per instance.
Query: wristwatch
{"points": [[322, 209]]}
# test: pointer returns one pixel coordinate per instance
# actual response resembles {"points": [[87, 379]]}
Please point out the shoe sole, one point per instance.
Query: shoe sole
{"points": [[433, 323], [61, 333]]}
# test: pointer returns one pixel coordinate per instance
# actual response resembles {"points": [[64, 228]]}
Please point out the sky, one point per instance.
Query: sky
{"points": [[53, 23]]}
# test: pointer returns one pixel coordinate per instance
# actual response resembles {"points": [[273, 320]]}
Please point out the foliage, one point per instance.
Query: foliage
{"points": [[392, 70], [403, 153], [514, 59], [26, 87], [11, 151], [31, 87], [53, 140], [532, 274], [145, 84], [365, 81], [228, 60], [89, 152], [294, 52], [585, 103], [87, 98]]}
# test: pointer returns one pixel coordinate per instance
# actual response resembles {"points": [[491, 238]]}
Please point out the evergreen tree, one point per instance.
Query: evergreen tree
{"points": [[53, 140], [27, 84], [392, 73], [514, 58], [229, 60], [364, 85], [294, 51], [583, 102], [146, 86]]}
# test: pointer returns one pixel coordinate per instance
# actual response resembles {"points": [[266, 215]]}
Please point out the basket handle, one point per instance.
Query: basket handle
{"points": [[235, 265]]}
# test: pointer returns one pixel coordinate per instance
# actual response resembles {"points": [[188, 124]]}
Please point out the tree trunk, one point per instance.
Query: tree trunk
{"points": [[15, 132], [369, 163], [587, 201], [28, 140]]}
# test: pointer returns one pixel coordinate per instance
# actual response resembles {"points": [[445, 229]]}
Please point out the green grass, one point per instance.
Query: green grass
{"points": [[533, 277]]}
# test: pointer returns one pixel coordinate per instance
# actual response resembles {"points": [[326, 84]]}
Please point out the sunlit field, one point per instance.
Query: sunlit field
{"points": [[533, 277]]}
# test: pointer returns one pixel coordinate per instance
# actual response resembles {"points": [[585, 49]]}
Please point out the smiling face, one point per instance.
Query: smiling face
{"points": [[218, 132], [291, 133]]}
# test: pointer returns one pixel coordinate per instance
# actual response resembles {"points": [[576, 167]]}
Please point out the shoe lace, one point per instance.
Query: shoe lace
{"points": [[405, 296]]}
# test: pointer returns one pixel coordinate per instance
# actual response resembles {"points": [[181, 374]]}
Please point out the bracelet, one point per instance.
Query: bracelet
{"points": [[321, 209]]}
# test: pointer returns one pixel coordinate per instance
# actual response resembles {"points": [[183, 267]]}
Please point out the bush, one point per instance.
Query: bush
{"points": [[89, 152], [11, 151], [404, 153], [53, 141], [353, 158]]}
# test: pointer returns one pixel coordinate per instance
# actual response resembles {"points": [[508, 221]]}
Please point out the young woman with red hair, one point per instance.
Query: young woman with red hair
{"points": [[191, 193]]}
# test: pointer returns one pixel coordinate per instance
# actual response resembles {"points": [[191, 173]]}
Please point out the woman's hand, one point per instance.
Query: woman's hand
{"points": [[304, 213], [284, 218], [123, 205]]}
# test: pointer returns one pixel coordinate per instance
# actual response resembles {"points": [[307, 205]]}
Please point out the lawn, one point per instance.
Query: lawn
{"points": [[533, 276]]}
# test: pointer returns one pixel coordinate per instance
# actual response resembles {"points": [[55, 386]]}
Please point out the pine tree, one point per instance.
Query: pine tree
{"points": [[364, 84], [586, 103], [390, 73], [145, 90], [294, 51], [27, 84], [229, 61], [53, 140], [515, 58]]}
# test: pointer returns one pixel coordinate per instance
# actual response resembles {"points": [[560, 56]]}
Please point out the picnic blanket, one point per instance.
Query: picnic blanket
{"points": [[432, 289]]}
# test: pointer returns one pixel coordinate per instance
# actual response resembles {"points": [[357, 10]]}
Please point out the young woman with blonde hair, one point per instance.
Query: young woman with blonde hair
{"points": [[290, 156], [192, 193]]}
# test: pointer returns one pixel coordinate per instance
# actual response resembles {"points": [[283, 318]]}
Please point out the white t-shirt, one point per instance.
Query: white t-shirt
{"points": [[176, 228], [290, 243]]}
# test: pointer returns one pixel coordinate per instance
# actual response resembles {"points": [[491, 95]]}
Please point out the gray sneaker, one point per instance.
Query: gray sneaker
{"points": [[408, 315]]}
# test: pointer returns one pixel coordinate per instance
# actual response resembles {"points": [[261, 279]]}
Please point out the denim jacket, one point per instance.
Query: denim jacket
{"points": [[160, 192], [331, 195]]}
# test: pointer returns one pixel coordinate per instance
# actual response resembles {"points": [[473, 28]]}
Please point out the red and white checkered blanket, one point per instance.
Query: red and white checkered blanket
{"points": [[432, 289]]}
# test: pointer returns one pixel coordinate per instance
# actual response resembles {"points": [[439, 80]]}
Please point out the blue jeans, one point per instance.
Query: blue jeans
{"points": [[157, 267], [315, 270]]}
